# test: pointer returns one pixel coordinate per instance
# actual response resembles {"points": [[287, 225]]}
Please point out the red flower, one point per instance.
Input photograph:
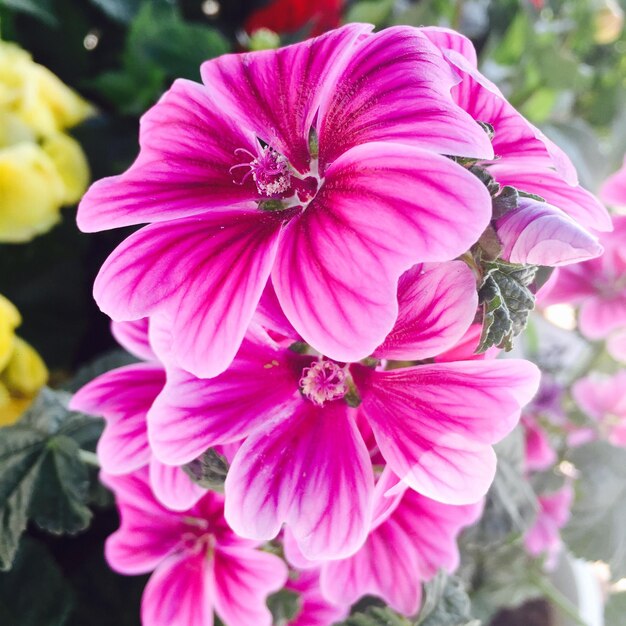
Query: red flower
{"points": [[288, 16]]}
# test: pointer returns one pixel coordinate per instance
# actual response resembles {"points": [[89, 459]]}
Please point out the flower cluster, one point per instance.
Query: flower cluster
{"points": [[22, 372], [305, 303], [42, 168]]}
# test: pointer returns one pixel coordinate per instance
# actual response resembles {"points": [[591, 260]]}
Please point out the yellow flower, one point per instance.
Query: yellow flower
{"points": [[22, 371], [32, 92], [9, 320], [32, 192], [71, 164], [41, 168]]}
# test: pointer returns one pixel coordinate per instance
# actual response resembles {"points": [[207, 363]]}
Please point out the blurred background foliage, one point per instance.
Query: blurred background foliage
{"points": [[561, 62]]}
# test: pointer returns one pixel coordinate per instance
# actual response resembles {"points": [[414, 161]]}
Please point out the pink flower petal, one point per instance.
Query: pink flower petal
{"points": [[133, 337], [315, 610], [243, 580], [516, 139], [437, 304], [600, 316], [387, 496], [571, 284], [172, 487], [311, 472], [537, 233], [387, 567], [270, 316], [187, 149], [179, 593], [396, 87], [148, 531], [446, 39], [435, 423], [616, 346], [601, 396], [544, 535], [206, 273], [277, 92], [123, 397], [577, 202], [417, 540], [539, 453], [194, 414], [383, 207]]}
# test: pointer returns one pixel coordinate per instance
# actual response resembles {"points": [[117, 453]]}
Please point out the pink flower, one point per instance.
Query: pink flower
{"points": [[613, 190], [315, 610], [287, 164], [616, 346], [544, 536], [537, 233], [305, 462], [123, 397], [412, 537], [603, 400], [546, 406], [539, 454], [199, 565], [597, 286], [527, 160]]}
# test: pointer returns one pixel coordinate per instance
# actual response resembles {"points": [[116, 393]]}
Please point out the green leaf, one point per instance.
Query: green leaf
{"points": [[453, 608], [19, 468], [511, 503], [502, 576], [514, 42], [120, 10], [34, 592], [158, 35], [208, 471], [595, 531], [284, 605], [375, 12], [41, 9], [507, 301], [41, 474], [615, 609], [58, 503], [377, 616]]}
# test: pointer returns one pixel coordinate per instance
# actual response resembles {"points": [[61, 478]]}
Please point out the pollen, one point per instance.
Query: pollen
{"points": [[323, 381], [269, 170]]}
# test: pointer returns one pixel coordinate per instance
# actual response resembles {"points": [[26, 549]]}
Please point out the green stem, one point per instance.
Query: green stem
{"points": [[557, 598], [89, 458]]}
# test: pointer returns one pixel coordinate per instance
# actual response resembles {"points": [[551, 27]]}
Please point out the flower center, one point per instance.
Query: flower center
{"points": [[269, 170], [197, 539], [323, 381]]}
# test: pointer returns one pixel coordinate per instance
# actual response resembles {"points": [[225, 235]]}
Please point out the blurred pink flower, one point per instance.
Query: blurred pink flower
{"points": [[616, 346], [597, 286], [286, 163], [546, 406], [305, 461], [613, 191], [544, 537], [603, 399], [199, 565], [539, 453]]}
